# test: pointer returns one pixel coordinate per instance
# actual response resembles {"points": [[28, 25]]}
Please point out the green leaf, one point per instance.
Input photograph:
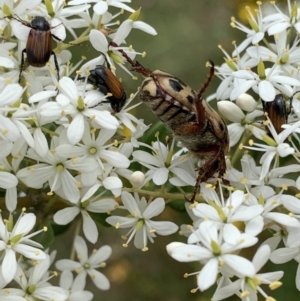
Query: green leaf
{"points": [[178, 205]]}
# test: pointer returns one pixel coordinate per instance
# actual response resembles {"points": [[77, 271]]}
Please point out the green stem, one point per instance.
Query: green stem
{"points": [[162, 194], [82, 38], [45, 130], [239, 153], [76, 232]]}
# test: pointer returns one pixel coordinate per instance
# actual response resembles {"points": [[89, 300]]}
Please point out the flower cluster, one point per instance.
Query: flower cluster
{"points": [[72, 151], [259, 96], [62, 137]]}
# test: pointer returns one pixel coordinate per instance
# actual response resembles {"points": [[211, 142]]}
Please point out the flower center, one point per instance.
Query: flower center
{"points": [[31, 289]]}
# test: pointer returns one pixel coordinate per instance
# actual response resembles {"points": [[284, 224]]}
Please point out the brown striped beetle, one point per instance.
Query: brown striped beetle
{"points": [[184, 111], [39, 44], [107, 83], [278, 111]]}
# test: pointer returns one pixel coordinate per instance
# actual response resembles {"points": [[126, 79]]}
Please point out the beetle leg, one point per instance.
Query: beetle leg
{"points": [[56, 64], [22, 64], [215, 162], [200, 114]]}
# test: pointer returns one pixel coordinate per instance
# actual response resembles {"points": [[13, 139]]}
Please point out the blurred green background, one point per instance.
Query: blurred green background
{"points": [[188, 35]]}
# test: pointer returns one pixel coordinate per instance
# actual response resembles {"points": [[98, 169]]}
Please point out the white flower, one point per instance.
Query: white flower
{"points": [[96, 147], [214, 252], [265, 85], [142, 227], [241, 122], [275, 147], [75, 289], [35, 285], [70, 102], [250, 287], [87, 265], [255, 34], [279, 22], [17, 241], [232, 211], [8, 295], [159, 164], [8, 181], [87, 204]]}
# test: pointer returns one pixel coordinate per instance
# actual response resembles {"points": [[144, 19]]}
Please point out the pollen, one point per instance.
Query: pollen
{"points": [[37, 252], [243, 180], [284, 187], [245, 294], [50, 193], [45, 229], [8, 80], [145, 249], [125, 245], [117, 226], [274, 285]]}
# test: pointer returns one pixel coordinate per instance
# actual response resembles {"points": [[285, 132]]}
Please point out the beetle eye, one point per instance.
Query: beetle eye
{"points": [[176, 86]]}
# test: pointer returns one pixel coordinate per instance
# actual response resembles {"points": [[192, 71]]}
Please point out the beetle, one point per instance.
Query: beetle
{"points": [[107, 83], [39, 43], [185, 113], [278, 111]]}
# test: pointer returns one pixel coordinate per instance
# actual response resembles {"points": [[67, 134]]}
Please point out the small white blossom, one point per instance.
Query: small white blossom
{"points": [[17, 240], [88, 203], [142, 227], [87, 265]]}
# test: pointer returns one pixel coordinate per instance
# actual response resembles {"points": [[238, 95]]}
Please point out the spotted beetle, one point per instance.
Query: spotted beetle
{"points": [[184, 111]]}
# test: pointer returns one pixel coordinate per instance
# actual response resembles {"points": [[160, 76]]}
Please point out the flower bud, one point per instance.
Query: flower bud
{"points": [[230, 111], [137, 179], [246, 102]]}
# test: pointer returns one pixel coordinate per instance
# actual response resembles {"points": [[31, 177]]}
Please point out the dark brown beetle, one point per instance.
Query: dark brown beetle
{"points": [[278, 111], [106, 82], [39, 44]]}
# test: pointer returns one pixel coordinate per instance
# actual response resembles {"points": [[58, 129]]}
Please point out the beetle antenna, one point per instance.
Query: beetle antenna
{"points": [[291, 100], [137, 67], [210, 76]]}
